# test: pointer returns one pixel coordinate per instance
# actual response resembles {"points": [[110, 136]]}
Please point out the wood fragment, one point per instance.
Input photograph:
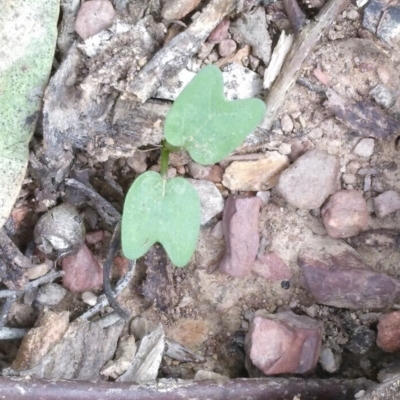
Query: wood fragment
{"points": [[296, 17], [175, 55], [301, 49], [364, 117]]}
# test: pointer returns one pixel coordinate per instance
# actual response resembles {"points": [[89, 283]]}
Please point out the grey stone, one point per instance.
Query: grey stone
{"points": [[211, 199], [50, 294], [386, 203], [372, 15], [383, 96], [309, 181], [364, 148], [389, 26], [329, 361]]}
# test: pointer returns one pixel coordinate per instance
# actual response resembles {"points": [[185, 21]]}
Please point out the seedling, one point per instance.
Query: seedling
{"points": [[209, 127]]}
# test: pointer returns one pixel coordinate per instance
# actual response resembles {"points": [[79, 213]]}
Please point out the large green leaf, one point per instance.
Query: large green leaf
{"points": [[28, 32], [207, 125], [160, 210]]}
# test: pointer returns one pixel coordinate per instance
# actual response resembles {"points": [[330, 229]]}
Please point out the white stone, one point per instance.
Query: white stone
{"points": [[89, 298], [329, 361], [364, 148], [287, 124], [211, 200]]}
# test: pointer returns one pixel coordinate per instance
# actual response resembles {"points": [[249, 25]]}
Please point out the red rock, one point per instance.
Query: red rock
{"points": [[82, 271], [240, 226], [94, 237], [227, 47], [284, 343], [345, 214], [336, 276], [177, 9], [271, 267], [93, 17], [220, 32], [388, 338]]}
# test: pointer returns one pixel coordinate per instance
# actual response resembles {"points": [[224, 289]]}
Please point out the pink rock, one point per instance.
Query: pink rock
{"points": [[336, 276], [93, 17], [82, 271], [284, 343], [271, 267], [220, 32], [388, 338], [386, 203], [345, 214], [240, 225], [227, 47], [177, 9], [94, 237]]}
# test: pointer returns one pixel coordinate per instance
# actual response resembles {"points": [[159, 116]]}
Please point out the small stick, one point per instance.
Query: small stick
{"points": [[37, 282], [112, 251], [108, 212], [12, 333], [301, 49], [102, 301]]}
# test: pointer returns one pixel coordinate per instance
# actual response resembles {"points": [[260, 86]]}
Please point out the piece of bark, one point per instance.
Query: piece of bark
{"points": [[301, 49], [176, 351], [13, 264], [364, 117], [83, 350], [336, 276], [171, 389], [147, 360], [385, 238], [175, 55], [49, 331]]}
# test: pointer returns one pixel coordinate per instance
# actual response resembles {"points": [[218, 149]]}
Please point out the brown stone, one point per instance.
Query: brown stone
{"points": [[271, 267], [93, 17], [345, 214], [82, 271], [189, 332], [388, 338], [240, 226], [227, 47], [94, 237], [336, 276], [283, 343]]}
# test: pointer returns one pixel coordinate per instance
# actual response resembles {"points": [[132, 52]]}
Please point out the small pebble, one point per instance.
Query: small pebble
{"points": [[287, 124], [383, 96], [94, 237], [383, 75], [93, 17], [89, 298], [220, 32], [349, 178], [39, 270], [227, 47], [364, 148], [316, 133], [386, 203], [50, 294]]}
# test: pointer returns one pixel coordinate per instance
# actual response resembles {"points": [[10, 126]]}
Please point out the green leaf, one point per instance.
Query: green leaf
{"points": [[28, 32], [161, 210], [207, 125]]}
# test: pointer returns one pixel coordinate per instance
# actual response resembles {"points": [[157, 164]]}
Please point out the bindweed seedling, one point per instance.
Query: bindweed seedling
{"points": [[209, 127]]}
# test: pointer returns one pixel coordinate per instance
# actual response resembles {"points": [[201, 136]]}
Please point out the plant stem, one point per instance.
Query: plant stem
{"points": [[164, 162]]}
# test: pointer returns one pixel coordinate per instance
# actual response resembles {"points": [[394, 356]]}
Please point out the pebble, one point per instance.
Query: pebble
{"points": [[211, 200], [283, 343], [240, 226], [386, 203], [372, 14], [383, 75], [50, 294], [345, 214], [89, 298], [388, 338], [177, 9], [335, 275], [139, 328], [287, 124], [138, 162], [227, 47], [39, 270], [352, 15], [383, 96], [353, 166], [220, 32], [82, 271], [329, 361], [364, 148], [349, 179], [361, 340], [212, 173], [94, 237], [388, 28], [205, 50], [272, 268], [309, 181], [285, 149], [93, 17], [264, 195], [316, 133], [255, 175]]}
